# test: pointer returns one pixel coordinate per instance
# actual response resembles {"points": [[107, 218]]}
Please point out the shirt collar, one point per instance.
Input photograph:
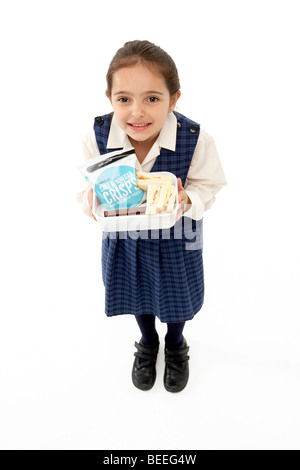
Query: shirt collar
{"points": [[167, 138]]}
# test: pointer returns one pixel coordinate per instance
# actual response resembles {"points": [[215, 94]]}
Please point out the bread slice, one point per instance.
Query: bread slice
{"points": [[153, 194], [170, 200], [163, 197], [144, 179]]}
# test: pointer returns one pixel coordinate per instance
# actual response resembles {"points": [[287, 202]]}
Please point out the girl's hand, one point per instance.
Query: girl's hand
{"points": [[182, 198], [90, 196]]}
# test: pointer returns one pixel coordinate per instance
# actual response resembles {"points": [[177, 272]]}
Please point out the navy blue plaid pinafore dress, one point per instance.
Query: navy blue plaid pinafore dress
{"points": [[156, 272]]}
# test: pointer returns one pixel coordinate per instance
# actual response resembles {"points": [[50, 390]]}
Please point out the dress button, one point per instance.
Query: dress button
{"points": [[99, 120], [193, 129], [179, 125]]}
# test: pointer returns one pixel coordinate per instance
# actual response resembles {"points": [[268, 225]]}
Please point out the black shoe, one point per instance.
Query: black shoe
{"points": [[144, 370], [176, 374]]}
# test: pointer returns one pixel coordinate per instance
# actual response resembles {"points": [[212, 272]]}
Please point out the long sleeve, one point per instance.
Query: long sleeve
{"points": [[205, 177], [90, 150]]}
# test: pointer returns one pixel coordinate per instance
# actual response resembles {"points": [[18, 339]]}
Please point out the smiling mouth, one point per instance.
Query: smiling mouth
{"points": [[139, 125]]}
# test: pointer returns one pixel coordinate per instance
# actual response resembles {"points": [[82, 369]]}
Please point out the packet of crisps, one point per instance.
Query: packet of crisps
{"points": [[113, 178]]}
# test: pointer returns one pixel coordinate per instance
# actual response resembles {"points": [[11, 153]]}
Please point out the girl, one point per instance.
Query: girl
{"points": [[156, 276]]}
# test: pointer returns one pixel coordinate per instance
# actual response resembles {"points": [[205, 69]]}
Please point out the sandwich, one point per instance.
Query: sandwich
{"points": [[153, 195], [160, 198], [160, 192], [144, 179], [169, 200]]}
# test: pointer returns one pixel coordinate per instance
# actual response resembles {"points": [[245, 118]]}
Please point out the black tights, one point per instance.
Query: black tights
{"points": [[173, 338]]}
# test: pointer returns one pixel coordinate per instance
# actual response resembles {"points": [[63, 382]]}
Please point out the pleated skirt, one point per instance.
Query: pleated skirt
{"points": [[157, 276]]}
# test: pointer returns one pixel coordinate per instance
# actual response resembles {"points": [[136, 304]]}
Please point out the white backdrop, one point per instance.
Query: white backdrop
{"points": [[65, 367]]}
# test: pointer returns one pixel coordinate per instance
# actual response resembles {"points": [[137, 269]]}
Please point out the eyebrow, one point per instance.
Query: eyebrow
{"points": [[146, 93]]}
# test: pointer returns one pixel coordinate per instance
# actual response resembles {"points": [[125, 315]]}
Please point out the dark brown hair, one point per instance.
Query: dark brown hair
{"points": [[146, 53]]}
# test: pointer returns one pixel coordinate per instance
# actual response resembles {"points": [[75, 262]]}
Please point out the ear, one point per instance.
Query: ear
{"points": [[108, 96], [174, 100]]}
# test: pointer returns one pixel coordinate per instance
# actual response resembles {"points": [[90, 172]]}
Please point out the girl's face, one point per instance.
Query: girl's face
{"points": [[141, 102]]}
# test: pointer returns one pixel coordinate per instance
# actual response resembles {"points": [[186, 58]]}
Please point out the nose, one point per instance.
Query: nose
{"points": [[137, 110]]}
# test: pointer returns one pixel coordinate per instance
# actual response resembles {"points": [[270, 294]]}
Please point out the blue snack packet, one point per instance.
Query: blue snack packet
{"points": [[113, 178]]}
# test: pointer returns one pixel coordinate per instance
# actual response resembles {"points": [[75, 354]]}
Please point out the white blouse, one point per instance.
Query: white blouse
{"points": [[204, 179]]}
